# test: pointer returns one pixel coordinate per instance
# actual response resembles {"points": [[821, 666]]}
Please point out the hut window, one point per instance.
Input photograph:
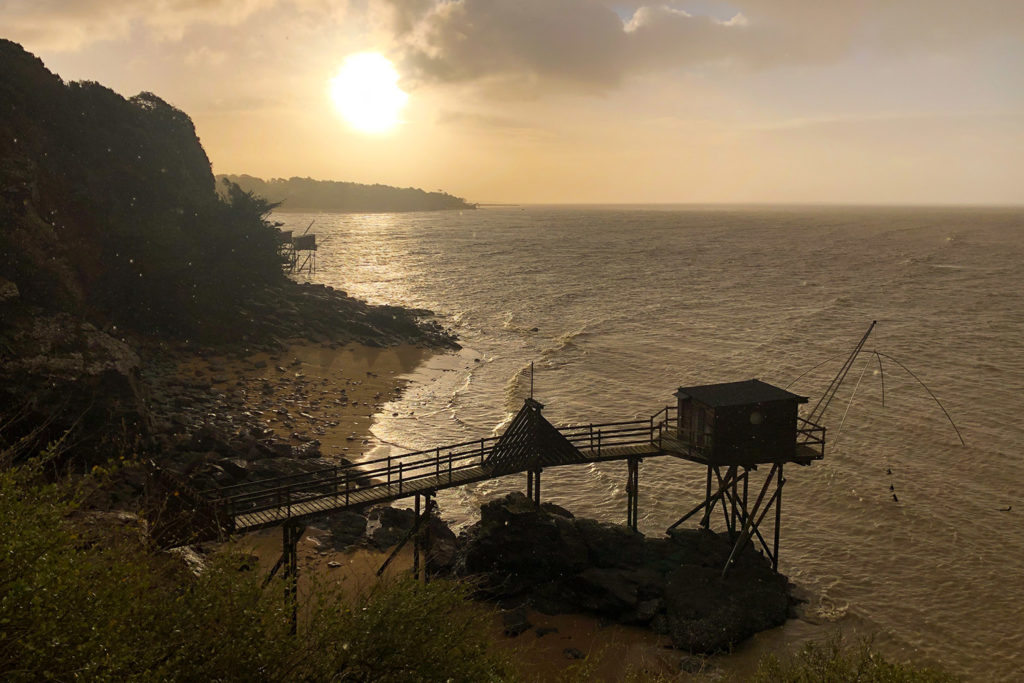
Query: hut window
{"points": [[756, 417]]}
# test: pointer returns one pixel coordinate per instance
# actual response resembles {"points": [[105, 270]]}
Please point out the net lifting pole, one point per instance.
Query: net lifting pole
{"points": [[822, 405]]}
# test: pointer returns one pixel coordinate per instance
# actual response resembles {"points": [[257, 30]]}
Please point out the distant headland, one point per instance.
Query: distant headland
{"points": [[307, 194]]}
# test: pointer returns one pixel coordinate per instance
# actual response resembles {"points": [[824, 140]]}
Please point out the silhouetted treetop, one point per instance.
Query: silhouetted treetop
{"points": [[307, 194]]}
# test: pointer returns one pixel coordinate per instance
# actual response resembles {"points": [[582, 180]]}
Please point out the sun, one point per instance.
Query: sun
{"points": [[365, 92]]}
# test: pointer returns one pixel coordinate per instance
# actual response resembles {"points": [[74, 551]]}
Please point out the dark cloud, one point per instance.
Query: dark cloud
{"points": [[592, 44]]}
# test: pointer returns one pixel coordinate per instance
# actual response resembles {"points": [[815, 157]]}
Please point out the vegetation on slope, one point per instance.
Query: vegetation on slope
{"points": [[306, 194], [82, 597], [833, 662]]}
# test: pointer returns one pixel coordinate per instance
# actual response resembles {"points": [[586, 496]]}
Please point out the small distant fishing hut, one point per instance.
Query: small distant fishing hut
{"points": [[298, 253]]}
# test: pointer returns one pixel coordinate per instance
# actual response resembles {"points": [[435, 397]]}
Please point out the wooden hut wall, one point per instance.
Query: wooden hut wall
{"points": [[738, 440]]}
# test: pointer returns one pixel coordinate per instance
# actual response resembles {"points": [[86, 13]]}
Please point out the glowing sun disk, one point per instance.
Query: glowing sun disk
{"points": [[365, 92]]}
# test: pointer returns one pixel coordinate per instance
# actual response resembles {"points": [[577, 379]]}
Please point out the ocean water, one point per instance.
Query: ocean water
{"points": [[619, 306]]}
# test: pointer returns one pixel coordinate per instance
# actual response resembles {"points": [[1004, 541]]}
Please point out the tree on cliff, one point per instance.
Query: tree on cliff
{"points": [[108, 207]]}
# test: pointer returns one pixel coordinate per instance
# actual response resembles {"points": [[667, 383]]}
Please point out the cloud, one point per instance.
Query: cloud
{"points": [[571, 41], [68, 25], [594, 45]]}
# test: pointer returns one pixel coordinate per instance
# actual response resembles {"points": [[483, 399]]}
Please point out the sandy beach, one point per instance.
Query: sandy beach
{"points": [[311, 391]]}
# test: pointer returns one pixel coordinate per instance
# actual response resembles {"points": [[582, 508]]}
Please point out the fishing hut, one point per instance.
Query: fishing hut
{"points": [[305, 253], [732, 429], [297, 252]]}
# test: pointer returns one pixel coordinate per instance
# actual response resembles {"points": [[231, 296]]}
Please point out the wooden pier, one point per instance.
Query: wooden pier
{"points": [[774, 437]]}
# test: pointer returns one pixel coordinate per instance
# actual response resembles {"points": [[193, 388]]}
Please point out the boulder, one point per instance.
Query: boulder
{"points": [[674, 585], [347, 528]]}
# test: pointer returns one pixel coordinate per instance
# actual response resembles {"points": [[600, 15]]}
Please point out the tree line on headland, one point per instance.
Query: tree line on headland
{"points": [[307, 194]]}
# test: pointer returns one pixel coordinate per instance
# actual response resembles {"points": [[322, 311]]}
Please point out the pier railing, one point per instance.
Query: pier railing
{"points": [[810, 435], [395, 475]]}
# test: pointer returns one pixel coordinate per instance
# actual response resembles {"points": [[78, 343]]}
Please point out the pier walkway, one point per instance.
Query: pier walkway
{"points": [[529, 444]]}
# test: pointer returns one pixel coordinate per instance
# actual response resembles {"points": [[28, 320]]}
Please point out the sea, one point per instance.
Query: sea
{"points": [[901, 533]]}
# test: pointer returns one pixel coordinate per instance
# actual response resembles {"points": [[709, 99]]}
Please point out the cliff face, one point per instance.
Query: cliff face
{"points": [[108, 206], [112, 231]]}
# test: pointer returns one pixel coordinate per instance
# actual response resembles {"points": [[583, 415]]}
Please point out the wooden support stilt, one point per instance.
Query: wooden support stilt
{"points": [[416, 541], [734, 502], [428, 504], [778, 520], [291, 533], [529, 484], [636, 493], [630, 492], [753, 521], [708, 502], [704, 505], [536, 488]]}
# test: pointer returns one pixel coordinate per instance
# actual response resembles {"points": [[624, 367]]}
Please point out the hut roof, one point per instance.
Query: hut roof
{"points": [[738, 393]]}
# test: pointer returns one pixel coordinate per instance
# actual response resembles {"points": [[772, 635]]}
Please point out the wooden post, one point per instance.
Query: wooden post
{"points": [[529, 484], [632, 492], [428, 502], [291, 532], [746, 478], [536, 488], [636, 492], [778, 520], [706, 520], [416, 541]]}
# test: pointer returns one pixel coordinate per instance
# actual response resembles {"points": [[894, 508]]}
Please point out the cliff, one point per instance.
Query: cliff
{"points": [[114, 239]]}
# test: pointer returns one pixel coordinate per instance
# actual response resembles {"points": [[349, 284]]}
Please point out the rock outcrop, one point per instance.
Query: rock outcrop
{"points": [[558, 563]]}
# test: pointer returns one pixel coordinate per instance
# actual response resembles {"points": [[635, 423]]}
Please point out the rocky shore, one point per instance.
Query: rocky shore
{"points": [[296, 391], [546, 560], [551, 561]]}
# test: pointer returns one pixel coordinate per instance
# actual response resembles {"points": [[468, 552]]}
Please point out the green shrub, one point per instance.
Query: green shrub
{"points": [[81, 597], [832, 662]]}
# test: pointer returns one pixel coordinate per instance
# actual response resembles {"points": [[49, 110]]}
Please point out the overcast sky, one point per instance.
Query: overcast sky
{"points": [[867, 101]]}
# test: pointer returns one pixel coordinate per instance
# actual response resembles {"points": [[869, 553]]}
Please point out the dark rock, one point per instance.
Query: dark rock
{"points": [[392, 525], [248, 563], [553, 509], [542, 631], [310, 449], [610, 545], [605, 591], [674, 585], [515, 622], [237, 468], [442, 551], [515, 545], [707, 613], [347, 528], [572, 653]]}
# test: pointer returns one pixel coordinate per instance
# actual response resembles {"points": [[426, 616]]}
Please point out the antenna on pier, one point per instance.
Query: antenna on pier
{"points": [[531, 379]]}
